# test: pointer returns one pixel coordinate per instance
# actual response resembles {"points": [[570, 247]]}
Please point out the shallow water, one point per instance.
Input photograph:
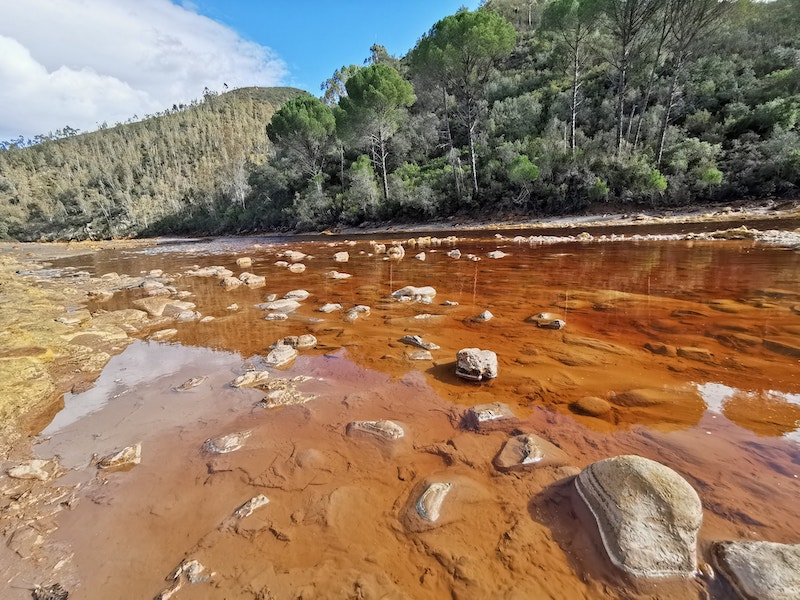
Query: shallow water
{"points": [[724, 412]]}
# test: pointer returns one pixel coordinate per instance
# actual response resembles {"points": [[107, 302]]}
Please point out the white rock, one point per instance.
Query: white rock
{"points": [[341, 257]]}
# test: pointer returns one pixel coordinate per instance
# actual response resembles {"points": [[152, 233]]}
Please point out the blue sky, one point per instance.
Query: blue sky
{"points": [[316, 37], [83, 63]]}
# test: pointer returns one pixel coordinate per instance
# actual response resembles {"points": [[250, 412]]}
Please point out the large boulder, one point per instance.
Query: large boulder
{"points": [[648, 515], [476, 364], [760, 570]]}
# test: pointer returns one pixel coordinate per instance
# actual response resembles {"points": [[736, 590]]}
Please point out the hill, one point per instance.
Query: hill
{"points": [[182, 170]]}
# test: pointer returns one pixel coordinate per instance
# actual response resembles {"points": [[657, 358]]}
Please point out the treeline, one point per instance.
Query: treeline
{"points": [[181, 171], [549, 107], [523, 107]]}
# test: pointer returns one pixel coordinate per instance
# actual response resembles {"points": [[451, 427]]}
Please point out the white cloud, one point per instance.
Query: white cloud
{"points": [[83, 62]]}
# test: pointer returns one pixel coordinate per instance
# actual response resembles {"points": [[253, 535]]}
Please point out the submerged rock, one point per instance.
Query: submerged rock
{"points": [[591, 406], [122, 459], [299, 342], [760, 570], [251, 379], [384, 429], [529, 451], [226, 443], [191, 383], [486, 417], [356, 312], [475, 364], [411, 293], [648, 516], [280, 355]]}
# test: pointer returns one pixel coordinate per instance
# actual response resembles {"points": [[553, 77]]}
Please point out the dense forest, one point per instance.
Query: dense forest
{"points": [[523, 107]]}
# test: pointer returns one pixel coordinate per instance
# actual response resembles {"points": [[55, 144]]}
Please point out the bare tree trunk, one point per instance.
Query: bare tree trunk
{"points": [[382, 146], [620, 106], [574, 103], [662, 134], [456, 178], [472, 160]]}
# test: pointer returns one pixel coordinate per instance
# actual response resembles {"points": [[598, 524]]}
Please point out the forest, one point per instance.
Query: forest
{"points": [[521, 108]]}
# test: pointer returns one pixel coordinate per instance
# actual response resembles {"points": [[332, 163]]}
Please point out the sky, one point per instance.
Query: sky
{"points": [[82, 63]]}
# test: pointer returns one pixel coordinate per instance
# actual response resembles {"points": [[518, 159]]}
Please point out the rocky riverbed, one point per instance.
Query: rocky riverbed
{"points": [[168, 432]]}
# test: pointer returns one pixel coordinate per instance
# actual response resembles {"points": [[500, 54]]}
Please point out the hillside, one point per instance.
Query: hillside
{"points": [[184, 169]]}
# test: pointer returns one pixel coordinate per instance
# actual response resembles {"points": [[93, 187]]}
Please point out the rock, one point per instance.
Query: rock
{"points": [[159, 306], [415, 340], [122, 459], [74, 317], [429, 504], [191, 383], [50, 592], [214, 271], [591, 406], [356, 312], [244, 262], [251, 379], [253, 281], [226, 443], [33, 469], [188, 315], [497, 254], [281, 264], [421, 256], [299, 342], [297, 268], [280, 356], [760, 570], [377, 248], [449, 303], [648, 516], [456, 254], [276, 316], [384, 429], [529, 451], [284, 305], [662, 349], [415, 294], [247, 509], [336, 275], [419, 355], [207, 319], [483, 317], [329, 308], [698, 354], [298, 295], [396, 252], [489, 417], [293, 255], [162, 334], [341, 257], [284, 392], [230, 282], [100, 295], [547, 320], [232, 307], [475, 364]]}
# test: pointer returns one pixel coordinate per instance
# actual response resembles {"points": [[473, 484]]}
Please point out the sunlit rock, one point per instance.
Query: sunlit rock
{"points": [[341, 257], [300, 342], [276, 316], [337, 275], [226, 443], [293, 256], [548, 320], [162, 334], [283, 305], [396, 252], [249, 507], [329, 308], [253, 281], [529, 451], [122, 459], [280, 355], [251, 379], [230, 283], [648, 516], [497, 254], [421, 256], [357, 312], [33, 469], [455, 253], [762, 570], [244, 262], [415, 340], [483, 317], [298, 295], [476, 364], [411, 293], [213, 271], [297, 268], [429, 504], [419, 355]]}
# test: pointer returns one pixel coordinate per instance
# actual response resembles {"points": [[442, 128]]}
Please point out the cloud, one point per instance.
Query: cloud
{"points": [[84, 62]]}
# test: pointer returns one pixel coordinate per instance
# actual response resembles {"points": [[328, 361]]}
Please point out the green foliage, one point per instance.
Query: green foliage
{"points": [[711, 176], [599, 191], [522, 171]]}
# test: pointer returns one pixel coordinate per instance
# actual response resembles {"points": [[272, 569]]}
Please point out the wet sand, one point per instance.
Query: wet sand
{"points": [[691, 344]]}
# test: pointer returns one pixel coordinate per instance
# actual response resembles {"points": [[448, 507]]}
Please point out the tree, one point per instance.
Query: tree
{"points": [[377, 97], [574, 22], [461, 51], [304, 128], [333, 88], [629, 24]]}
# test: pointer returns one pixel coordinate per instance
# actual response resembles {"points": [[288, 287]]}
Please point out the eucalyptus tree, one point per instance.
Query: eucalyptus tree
{"points": [[304, 129], [574, 22], [461, 51], [333, 88], [376, 102]]}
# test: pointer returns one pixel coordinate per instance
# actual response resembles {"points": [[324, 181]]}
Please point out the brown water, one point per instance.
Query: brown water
{"points": [[725, 413]]}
